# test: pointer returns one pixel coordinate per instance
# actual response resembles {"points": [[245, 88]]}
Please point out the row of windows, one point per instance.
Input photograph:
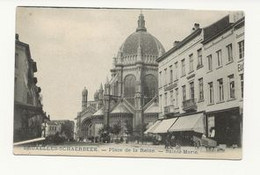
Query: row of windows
{"points": [[220, 89], [229, 52], [210, 85], [52, 128], [173, 69]]}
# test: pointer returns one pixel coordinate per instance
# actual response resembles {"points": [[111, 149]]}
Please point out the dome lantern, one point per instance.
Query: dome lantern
{"points": [[141, 24], [140, 46]]}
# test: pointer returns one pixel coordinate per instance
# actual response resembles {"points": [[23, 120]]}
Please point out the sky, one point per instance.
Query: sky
{"points": [[74, 47]]}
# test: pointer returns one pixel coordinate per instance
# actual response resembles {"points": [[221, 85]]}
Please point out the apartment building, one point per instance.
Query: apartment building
{"points": [[28, 112], [224, 80], [201, 82]]}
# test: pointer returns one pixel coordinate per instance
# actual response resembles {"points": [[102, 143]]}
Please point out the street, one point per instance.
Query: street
{"points": [[127, 150]]}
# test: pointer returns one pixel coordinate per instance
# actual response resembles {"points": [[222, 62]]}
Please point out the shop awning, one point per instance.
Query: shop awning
{"points": [[152, 128], [189, 123], [164, 126]]}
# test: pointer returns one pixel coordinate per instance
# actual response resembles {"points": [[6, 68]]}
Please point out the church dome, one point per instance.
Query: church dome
{"points": [[141, 39]]}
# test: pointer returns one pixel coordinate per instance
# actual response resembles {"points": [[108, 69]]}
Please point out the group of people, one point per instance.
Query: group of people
{"points": [[170, 141]]}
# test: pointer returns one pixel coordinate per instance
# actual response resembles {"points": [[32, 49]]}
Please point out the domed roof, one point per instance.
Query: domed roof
{"points": [[148, 43]]}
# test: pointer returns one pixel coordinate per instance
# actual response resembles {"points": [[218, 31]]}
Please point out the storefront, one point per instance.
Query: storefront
{"points": [[225, 126], [187, 127], [182, 129]]}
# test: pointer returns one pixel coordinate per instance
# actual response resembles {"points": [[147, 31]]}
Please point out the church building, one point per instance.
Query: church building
{"points": [[130, 97]]}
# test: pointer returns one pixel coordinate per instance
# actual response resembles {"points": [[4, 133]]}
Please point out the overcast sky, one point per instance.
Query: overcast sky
{"points": [[74, 48]]}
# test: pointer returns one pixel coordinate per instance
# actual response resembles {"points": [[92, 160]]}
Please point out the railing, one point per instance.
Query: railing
{"points": [[189, 105], [169, 109]]}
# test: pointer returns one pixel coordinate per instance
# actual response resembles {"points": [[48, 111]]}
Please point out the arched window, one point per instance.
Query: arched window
{"points": [[129, 87], [150, 87]]}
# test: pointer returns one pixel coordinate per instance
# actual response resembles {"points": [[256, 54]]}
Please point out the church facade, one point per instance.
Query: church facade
{"points": [[129, 98]]}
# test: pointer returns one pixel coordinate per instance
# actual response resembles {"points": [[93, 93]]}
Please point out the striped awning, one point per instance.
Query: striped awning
{"points": [[152, 128], [164, 126], [189, 123]]}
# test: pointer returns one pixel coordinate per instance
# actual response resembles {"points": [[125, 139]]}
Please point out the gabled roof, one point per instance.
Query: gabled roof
{"points": [[100, 112], [90, 109], [129, 105], [152, 109], [213, 30], [218, 28], [180, 44], [120, 108], [209, 33]]}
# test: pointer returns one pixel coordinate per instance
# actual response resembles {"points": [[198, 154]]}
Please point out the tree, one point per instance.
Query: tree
{"points": [[67, 129], [104, 133], [129, 127], [104, 129], [140, 129], [116, 128]]}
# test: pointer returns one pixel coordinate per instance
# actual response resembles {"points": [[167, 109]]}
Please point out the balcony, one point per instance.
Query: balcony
{"points": [[189, 105], [169, 110], [170, 86]]}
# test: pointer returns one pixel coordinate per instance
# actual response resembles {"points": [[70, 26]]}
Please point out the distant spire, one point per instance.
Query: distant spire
{"points": [[101, 87], [114, 61], [141, 23], [107, 82], [85, 91]]}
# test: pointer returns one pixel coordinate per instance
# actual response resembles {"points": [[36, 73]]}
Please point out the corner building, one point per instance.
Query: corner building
{"points": [[28, 113], [201, 83], [130, 96]]}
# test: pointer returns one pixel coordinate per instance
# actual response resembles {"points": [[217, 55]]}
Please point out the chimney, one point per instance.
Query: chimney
{"points": [[234, 16], [195, 27], [175, 43], [17, 36]]}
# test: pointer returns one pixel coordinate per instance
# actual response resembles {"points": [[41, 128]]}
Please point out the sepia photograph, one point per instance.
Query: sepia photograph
{"points": [[119, 82]]}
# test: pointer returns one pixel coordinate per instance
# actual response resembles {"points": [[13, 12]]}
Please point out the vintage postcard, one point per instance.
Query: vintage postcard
{"points": [[154, 83]]}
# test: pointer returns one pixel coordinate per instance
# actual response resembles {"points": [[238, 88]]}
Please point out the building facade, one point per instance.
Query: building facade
{"points": [[28, 113], [52, 128], [130, 96], [201, 82], [224, 56], [63, 128]]}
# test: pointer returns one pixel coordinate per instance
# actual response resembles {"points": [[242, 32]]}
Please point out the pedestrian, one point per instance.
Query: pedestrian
{"points": [[167, 142], [172, 141]]}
